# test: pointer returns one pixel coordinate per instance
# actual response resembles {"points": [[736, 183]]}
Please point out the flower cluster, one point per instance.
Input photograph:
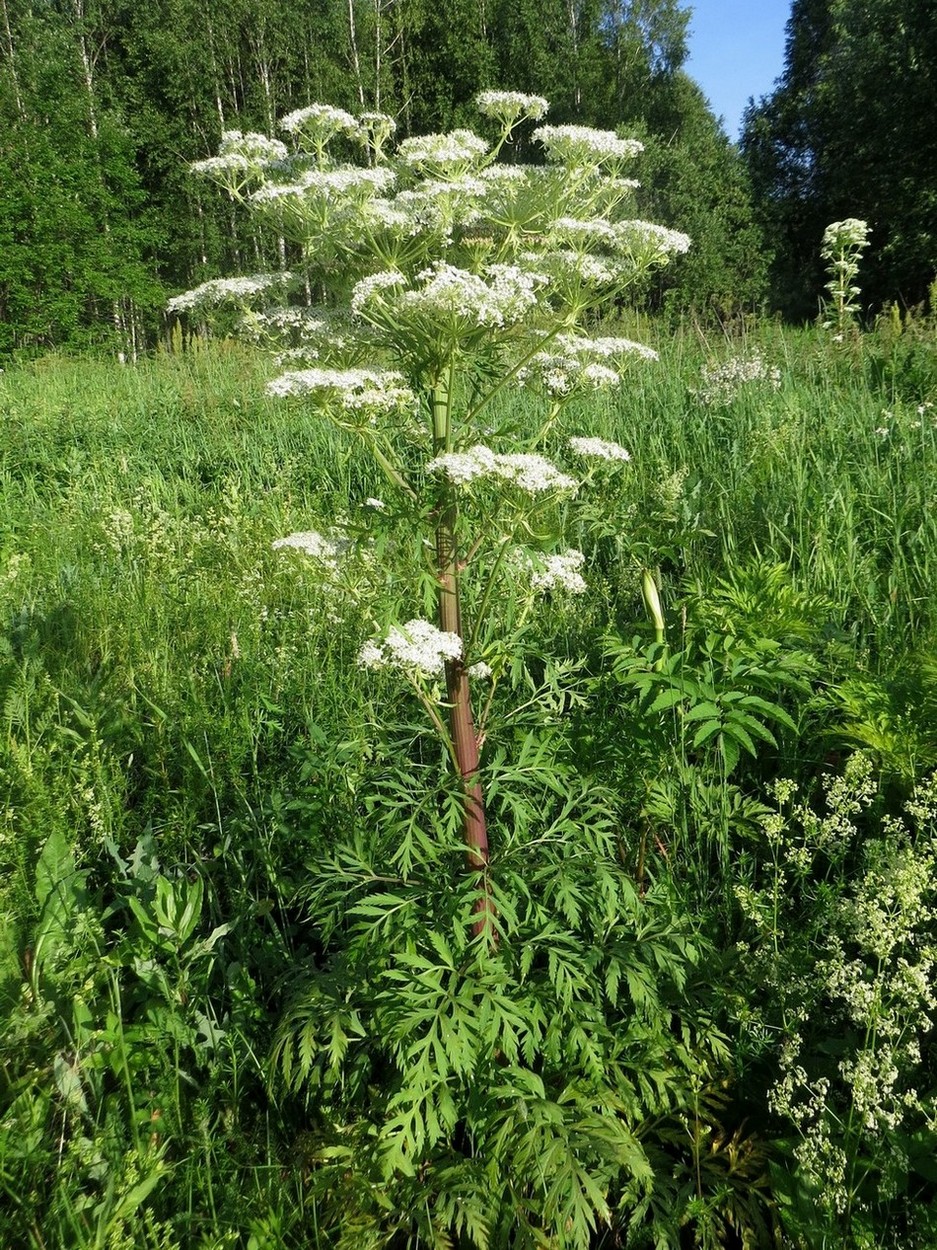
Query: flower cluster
{"points": [[443, 153], [529, 472], [598, 448], [577, 363], [582, 147], [370, 390], [503, 300], [241, 159], [227, 291], [417, 647], [328, 184], [647, 238], [842, 236], [558, 572], [509, 107], [319, 122], [327, 551], [723, 382]]}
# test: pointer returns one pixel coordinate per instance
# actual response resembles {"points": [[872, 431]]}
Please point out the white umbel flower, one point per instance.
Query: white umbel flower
{"points": [[844, 235], [560, 572], [503, 300], [417, 647], [528, 471], [326, 550], [374, 285], [533, 473], [319, 120], [647, 236], [581, 146], [598, 448], [509, 107], [458, 149], [227, 291], [462, 467], [354, 389]]}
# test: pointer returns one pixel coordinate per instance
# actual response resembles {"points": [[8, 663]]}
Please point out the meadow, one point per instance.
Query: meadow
{"points": [[212, 819]]}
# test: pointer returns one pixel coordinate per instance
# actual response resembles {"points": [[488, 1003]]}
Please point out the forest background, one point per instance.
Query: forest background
{"points": [[103, 104]]}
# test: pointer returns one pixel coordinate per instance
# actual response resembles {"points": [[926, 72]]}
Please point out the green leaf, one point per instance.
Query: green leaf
{"points": [[705, 732], [667, 699], [701, 710]]}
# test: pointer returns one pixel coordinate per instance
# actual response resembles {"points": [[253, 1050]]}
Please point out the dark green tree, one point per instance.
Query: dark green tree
{"points": [[849, 132], [695, 178]]}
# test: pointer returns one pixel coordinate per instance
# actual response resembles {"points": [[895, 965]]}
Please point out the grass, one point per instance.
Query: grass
{"points": [[178, 702]]}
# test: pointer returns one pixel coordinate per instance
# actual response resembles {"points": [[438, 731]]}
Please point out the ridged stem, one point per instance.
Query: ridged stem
{"points": [[461, 722]]}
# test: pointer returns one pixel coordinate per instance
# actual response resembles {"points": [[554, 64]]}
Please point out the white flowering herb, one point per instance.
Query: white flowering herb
{"points": [[598, 448], [530, 472], [242, 160], [559, 572], [417, 647], [318, 124], [842, 248], [581, 147], [451, 277], [220, 291], [369, 391], [510, 107], [328, 551], [724, 381], [449, 153]]}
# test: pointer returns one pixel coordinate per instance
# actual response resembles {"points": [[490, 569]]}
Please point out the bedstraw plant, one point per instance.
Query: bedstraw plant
{"points": [[481, 1047]]}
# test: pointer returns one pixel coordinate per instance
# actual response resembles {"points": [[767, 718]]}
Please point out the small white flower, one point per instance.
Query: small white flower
{"points": [[509, 106], [844, 235], [722, 382], [533, 473], [447, 290], [648, 236], [327, 550], [227, 290], [378, 504], [462, 467], [417, 647], [560, 572], [599, 448], [368, 288], [480, 670], [580, 146], [528, 471], [319, 120], [369, 390], [586, 233], [459, 148], [371, 656]]}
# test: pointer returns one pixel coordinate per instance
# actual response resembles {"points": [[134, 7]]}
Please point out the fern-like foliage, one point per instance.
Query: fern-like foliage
{"points": [[476, 1094]]}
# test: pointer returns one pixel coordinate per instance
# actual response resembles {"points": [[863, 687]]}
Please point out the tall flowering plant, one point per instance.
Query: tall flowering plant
{"points": [[462, 275], [482, 1049], [842, 248]]}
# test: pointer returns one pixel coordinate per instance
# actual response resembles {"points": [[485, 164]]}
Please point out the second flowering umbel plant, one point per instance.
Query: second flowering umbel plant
{"points": [[452, 275]]}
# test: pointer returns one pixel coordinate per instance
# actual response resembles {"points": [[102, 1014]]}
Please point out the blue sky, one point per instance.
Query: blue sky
{"points": [[736, 51]]}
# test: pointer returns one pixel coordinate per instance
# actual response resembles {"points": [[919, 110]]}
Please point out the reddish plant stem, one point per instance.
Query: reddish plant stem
{"points": [[461, 721]]}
